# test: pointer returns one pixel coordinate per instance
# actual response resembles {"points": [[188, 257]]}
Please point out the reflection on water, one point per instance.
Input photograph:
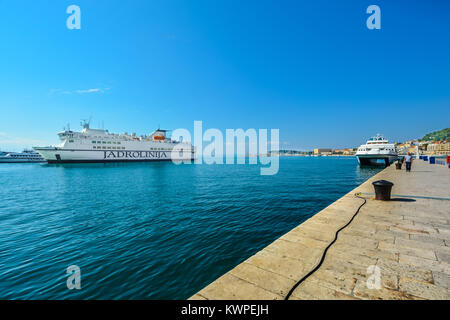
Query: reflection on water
{"points": [[365, 172]]}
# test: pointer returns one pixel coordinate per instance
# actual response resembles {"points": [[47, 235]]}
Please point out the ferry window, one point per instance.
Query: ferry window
{"points": [[118, 142], [70, 140], [93, 141], [103, 141], [109, 142], [99, 142]]}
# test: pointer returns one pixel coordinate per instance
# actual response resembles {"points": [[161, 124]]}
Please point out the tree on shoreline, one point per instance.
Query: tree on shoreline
{"points": [[443, 134]]}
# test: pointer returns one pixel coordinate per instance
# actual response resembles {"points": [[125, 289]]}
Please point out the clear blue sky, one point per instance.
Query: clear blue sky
{"points": [[310, 68]]}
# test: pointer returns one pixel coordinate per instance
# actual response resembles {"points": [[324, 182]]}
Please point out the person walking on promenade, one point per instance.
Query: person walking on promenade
{"points": [[408, 161]]}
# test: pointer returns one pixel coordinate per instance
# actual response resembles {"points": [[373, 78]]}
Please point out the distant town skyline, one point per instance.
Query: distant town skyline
{"points": [[311, 69]]}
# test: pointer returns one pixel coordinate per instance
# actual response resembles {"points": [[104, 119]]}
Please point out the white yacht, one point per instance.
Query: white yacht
{"points": [[20, 157], [376, 150], [98, 145]]}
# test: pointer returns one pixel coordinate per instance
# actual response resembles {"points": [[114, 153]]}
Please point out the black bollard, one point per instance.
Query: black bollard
{"points": [[383, 190]]}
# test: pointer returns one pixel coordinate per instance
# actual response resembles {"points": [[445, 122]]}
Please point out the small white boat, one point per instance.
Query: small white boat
{"points": [[20, 157]]}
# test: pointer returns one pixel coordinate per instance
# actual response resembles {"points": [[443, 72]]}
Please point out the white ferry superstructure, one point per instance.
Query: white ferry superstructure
{"points": [[98, 145], [377, 149]]}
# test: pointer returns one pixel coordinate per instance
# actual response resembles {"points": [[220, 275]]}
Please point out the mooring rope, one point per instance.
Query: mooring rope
{"points": [[326, 249]]}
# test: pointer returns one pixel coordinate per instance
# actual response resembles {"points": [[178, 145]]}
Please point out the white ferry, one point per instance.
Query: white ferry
{"points": [[376, 150], [20, 157], [98, 145]]}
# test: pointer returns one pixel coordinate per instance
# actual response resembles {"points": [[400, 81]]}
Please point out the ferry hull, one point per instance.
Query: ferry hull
{"points": [[104, 161], [376, 160], [58, 155]]}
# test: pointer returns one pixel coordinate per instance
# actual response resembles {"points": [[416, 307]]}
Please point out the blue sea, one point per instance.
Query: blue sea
{"points": [[151, 230]]}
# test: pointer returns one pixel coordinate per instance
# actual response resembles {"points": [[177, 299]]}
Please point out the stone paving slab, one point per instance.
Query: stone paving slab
{"points": [[406, 240]]}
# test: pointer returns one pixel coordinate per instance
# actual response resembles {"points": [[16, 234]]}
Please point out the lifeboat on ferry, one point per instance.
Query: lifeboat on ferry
{"points": [[159, 138]]}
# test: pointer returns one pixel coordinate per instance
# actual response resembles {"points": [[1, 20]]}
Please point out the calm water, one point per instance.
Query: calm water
{"points": [[151, 230]]}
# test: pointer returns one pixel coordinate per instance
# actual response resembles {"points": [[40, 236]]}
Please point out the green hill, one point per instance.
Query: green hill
{"points": [[443, 134]]}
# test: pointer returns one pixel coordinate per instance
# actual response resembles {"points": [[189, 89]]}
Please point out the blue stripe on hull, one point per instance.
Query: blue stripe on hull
{"points": [[18, 161]]}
